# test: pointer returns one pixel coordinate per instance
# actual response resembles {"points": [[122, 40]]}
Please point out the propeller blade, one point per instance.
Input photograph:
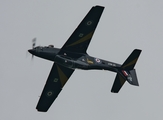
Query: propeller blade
{"points": [[33, 45], [33, 42], [32, 57]]}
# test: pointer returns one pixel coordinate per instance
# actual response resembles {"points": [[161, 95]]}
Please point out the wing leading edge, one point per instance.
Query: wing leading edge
{"points": [[57, 78], [81, 37]]}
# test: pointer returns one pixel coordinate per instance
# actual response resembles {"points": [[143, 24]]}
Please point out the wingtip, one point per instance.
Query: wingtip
{"points": [[138, 50], [99, 6], [41, 110], [114, 91]]}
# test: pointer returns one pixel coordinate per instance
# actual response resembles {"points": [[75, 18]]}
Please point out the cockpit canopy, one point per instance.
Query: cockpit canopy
{"points": [[41, 47], [51, 46]]}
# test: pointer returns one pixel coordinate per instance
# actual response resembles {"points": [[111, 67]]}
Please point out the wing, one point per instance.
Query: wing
{"points": [[57, 78], [81, 37]]}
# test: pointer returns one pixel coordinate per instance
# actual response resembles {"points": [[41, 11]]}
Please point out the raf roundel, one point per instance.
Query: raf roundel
{"points": [[50, 93], [55, 80], [81, 35], [89, 23], [98, 60]]}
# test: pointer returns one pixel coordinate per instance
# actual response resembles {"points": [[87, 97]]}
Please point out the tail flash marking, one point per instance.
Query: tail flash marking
{"points": [[124, 73]]}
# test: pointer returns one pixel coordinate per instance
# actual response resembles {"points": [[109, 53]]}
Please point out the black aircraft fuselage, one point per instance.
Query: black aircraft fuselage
{"points": [[74, 60], [72, 55]]}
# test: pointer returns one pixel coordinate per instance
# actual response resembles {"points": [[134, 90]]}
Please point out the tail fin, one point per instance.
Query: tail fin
{"points": [[131, 60], [127, 72]]}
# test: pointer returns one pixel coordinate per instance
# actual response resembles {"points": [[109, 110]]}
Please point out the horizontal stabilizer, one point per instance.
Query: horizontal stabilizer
{"points": [[118, 83], [131, 60]]}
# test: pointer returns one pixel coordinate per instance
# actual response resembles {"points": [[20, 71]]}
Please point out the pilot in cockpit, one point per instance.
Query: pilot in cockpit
{"points": [[51, 46]]}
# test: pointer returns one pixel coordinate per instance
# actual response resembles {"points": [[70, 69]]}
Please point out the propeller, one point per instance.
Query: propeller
{"points": [[33, 45], [33, 42]]}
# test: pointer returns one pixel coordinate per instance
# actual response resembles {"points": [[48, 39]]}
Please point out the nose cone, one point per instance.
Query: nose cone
{"points": [[31, 51]]}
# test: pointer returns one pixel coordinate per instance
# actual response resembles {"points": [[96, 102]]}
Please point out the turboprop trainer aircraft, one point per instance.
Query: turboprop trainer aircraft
{"points": [[73, 56]]}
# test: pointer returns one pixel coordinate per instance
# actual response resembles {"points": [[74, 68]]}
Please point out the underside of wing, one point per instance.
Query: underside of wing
{"points": [[57, 78], [81, 37]]}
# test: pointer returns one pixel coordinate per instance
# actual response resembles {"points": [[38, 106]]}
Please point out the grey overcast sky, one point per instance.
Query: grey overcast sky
{"points": [[124, 26]]}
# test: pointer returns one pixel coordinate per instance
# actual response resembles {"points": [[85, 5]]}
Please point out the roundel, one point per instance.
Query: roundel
{"points": [[81, 35], [50, 93], [55, 80], [89, 22], [98, 60]]}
